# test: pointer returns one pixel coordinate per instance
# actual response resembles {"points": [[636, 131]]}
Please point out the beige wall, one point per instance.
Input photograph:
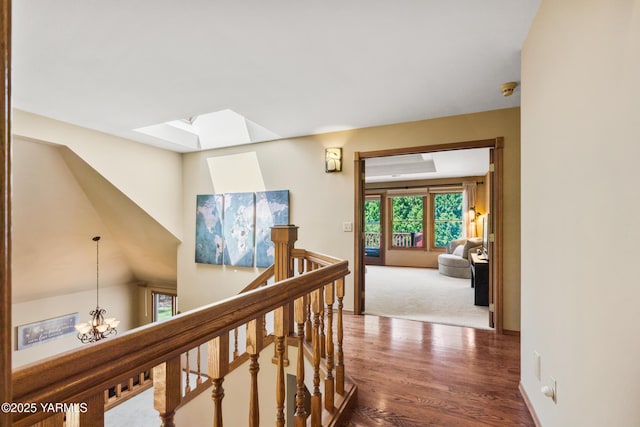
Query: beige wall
{"points": [[321, 202], [59, 203], [149, 176], [580, 151], [53, 223], [117, 300]]}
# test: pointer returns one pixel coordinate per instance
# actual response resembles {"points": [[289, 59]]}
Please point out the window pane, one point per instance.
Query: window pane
{"points": [[407, 220], [447, 214], [162, 306], [372, 223]]}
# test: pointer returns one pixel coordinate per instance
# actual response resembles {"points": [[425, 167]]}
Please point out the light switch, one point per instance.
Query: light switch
{"points": [[347, 227], [536, 364]]}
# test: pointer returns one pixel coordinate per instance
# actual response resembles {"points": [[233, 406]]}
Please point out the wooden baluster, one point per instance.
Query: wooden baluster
{"points": [[316, 397], [199, 380], [141, 378], [130, 385], [264, 318], [218, 368], [308, 332], [300, 415], [283, 238], [235, 344], [323, 338], [118, 390], [329, 386], [309, 326], [167, 393], [254, 346], [187, 388], [265, 333], [279, 328], [106, 397], [71, 419], [340, 354], [254, 401], [94, 415]]}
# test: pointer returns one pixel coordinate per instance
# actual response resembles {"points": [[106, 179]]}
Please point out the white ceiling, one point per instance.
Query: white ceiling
{"points": [[442, 164], [290, 68]]}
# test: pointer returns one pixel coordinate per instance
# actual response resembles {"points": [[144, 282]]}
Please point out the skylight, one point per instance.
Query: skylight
{"points": [[211, 130]]}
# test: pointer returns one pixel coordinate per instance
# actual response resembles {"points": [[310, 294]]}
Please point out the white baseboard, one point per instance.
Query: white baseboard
{"points": [[527, 402]]}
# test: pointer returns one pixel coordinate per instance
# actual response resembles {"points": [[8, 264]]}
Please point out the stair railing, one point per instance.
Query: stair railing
{"points": [[76, 380]]}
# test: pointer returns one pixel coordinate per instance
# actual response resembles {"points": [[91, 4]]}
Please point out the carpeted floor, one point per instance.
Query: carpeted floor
{"points": [[422, 294]]}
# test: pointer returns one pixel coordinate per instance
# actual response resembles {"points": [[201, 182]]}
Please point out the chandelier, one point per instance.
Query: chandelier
{"points": [[98, 327]]}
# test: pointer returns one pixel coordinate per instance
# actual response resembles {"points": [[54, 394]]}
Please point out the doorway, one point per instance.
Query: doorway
{"points": [[495, 242]]}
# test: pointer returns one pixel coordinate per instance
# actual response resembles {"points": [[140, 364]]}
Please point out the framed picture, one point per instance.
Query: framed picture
{"points": [[272, 208], [209, 236], [45, 330], [235, 228], [239, 211]]}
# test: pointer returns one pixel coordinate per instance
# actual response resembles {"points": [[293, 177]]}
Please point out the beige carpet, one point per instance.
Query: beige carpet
{"points": [[422, 294]]}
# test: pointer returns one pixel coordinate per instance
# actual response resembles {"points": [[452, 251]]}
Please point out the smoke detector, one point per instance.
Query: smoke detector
{"points": [[507, 88]]}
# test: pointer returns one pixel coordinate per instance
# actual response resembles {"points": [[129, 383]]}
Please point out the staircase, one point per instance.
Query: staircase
{"points": [[289, 321]]}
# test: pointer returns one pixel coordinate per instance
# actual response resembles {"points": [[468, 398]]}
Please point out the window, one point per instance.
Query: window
{"points": [[407, 221], [447, 218], [164, 306], [372, 222]]}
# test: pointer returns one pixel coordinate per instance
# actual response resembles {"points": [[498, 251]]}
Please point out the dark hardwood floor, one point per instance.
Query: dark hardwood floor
{"points": [[420, 374]]}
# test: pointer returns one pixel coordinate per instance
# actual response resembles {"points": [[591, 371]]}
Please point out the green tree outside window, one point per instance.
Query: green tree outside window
{"points": [[372, 216], [447, 218], [407, 223]]}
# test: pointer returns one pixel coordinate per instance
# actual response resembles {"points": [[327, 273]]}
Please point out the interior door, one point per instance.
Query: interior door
{"points": [[374, 229]]}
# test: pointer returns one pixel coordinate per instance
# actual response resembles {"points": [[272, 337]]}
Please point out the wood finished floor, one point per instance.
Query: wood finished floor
{"points": [[420, 374]]}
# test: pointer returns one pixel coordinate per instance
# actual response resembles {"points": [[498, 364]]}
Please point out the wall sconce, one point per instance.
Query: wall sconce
{"points": [[333, 159]]}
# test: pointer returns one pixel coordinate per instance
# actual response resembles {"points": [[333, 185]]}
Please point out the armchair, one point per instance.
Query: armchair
{"points": [[455, 261]]}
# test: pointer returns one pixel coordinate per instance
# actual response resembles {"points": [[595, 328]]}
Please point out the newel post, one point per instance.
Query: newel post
{"points": [[93, 416], [283, 237]]}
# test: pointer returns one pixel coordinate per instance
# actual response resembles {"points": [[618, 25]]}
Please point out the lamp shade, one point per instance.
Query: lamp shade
{"points": [[333, 159]]}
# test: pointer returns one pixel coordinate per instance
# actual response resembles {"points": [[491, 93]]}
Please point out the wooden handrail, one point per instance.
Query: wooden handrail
{"points": [[260, 280], [77, 375], [316, 257]]}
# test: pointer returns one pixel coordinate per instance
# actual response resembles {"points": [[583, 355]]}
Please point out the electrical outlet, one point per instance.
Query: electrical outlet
{"points": [[551, 390], [536, 365], [347, 226]]}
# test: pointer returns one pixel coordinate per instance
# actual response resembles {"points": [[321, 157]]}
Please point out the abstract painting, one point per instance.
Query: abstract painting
{"points": [[209, 231], [238, 229], [272, 208]]}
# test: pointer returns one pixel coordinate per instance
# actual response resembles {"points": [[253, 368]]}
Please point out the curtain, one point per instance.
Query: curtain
{"points": [[468, 202]]}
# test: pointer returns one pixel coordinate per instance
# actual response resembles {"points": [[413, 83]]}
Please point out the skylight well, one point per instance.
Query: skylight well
{"points": [[219, 129]]}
